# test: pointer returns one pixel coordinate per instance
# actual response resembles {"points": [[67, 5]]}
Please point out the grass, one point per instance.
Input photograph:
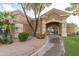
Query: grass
{"points": [[72, 45]]}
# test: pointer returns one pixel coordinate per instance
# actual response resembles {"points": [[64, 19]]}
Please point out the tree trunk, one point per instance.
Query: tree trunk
{"points": [[27, 18], [36, 27], [6, 34], [37, 21]]}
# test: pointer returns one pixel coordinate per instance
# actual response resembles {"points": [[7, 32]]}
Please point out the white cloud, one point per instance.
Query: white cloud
{"points": [[0, 9], [73, 19]]}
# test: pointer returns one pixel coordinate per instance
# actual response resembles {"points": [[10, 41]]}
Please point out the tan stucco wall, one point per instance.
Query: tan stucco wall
{"points": [[54, 15], [19, 29], [71, 28], [26, 28], [22, 21], [77, 29]]}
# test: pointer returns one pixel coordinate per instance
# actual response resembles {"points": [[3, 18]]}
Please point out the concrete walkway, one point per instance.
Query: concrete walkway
{"points": [[58, 48], [21, 48]]}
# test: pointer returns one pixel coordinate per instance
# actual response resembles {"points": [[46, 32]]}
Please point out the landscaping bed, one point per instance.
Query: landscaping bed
{"points": [[72, 45]]}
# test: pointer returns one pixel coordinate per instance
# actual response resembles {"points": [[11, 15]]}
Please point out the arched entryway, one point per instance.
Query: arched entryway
{"points": [[59, 26], [53, 28]]}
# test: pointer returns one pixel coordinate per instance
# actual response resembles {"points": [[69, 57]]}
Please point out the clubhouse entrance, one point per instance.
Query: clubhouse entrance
{"points": [[53, 28]]}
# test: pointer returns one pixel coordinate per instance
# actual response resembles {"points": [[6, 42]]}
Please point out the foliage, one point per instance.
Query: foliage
{"points": [[37, 9], [40, 36], [23, 36], [74, 8], [77, 33], [6, 41], [5, 24]]}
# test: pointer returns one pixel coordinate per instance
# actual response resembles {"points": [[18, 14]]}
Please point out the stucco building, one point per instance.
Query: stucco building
{"points": [[53, 19], [71, 28]]}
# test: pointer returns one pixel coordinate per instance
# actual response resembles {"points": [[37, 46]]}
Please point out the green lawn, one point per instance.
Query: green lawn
{"points": [[72, 46]]}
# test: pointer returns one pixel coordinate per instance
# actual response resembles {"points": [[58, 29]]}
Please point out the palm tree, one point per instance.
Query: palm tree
{"points": [[5, 18], [74, 8], [36, 8]]}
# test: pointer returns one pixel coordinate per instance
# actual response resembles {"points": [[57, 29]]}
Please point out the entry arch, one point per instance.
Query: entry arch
{"points": [[45, 22], [54, 28]]}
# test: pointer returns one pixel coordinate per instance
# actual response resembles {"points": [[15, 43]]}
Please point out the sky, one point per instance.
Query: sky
{"points": [[61, 6]]}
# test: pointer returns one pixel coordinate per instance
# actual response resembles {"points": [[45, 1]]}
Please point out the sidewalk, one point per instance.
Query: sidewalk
{"points": [[57, 49]]}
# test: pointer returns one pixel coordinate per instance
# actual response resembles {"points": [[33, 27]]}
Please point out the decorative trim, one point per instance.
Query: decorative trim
{"points": [[53, 20]]}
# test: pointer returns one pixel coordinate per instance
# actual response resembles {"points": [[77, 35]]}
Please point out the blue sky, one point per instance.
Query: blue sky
{"points": [[61, 6], [9, 6]]}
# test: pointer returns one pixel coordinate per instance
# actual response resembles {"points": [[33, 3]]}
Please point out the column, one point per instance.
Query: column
{"points": [[43, 27], [64, 29]]}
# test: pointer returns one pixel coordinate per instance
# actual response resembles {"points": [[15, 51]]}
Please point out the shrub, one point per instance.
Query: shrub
{"points": [[40, 36], [23, 36], [6, 41], [77, 33]]}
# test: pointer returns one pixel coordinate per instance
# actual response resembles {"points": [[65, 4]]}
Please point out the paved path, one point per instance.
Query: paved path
{"points": [[57, 49], [21, 48]]}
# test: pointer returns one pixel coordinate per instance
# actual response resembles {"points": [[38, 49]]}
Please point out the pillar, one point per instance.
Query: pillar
{"points": [[64, 29], [43, 27]]}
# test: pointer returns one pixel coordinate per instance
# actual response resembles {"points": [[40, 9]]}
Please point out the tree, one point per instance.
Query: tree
{"points": [[5, 24], [36, 8], [74, 8], [24, 10]]}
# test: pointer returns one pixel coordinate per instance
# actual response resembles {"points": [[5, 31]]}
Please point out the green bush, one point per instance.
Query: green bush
{"points": [[40, 36], [23, 36], [77, 33]]}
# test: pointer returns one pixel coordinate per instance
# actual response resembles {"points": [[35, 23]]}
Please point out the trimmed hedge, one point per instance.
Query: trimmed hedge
{"points": [[23, 36]]}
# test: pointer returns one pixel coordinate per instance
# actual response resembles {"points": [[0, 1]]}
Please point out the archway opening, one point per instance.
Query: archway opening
{"points": [[53, 28]]}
